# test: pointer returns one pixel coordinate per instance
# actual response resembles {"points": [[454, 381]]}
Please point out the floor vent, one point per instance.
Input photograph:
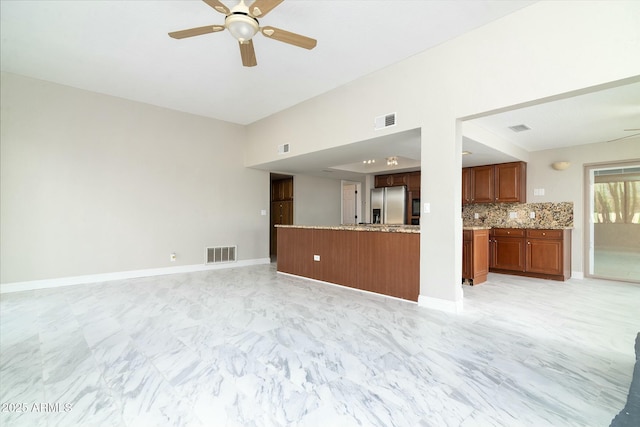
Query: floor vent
{"points": [[385, 121], [221, 254]]}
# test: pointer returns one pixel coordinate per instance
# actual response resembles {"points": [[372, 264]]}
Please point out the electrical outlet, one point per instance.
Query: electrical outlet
{"points": [[532, 215], [172, 257], [476, 216], [513, 215]]}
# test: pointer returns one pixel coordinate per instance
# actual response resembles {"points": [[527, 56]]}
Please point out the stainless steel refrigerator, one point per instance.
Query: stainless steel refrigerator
{"points": [[388, 205]]}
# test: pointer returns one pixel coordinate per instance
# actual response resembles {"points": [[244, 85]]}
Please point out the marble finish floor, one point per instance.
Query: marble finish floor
{"points": [[250, 347], [618, 265]]}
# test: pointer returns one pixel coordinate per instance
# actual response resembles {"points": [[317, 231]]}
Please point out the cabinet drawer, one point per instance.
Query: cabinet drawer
{"points": [[545, 234], [509, 232]]}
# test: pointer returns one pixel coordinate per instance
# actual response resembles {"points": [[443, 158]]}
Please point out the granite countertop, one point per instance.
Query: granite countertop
{"points": [[536, 227], [476, 227], [361, 227]]}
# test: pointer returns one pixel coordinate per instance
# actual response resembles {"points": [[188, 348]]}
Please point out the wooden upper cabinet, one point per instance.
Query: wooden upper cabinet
{"points": [[511, 182], [466, 185], [392, 180], [482, 185], [414, 181], [504, 182]]}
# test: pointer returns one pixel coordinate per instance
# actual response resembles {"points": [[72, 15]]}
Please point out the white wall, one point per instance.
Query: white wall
{"points": [[568, 185], [316, 201], [544, 50], [94, 184]]}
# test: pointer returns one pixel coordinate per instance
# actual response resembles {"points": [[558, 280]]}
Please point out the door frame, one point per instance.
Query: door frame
{"points": [[588, 245]]}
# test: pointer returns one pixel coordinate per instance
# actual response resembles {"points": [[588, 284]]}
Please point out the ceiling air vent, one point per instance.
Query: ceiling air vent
{"points": [[385, 121], [519, 128], [283, 148]]}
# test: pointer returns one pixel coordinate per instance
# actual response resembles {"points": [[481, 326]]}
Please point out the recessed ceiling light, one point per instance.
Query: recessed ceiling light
{"points": [[519, 128], [368, 162], [464, 153]]}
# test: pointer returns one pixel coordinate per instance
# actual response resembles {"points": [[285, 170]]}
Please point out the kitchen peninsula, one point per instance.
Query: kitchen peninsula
{"points": [[384, 259]]}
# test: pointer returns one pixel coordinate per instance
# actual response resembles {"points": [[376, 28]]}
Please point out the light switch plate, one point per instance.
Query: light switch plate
{"points": [[427, 208]]}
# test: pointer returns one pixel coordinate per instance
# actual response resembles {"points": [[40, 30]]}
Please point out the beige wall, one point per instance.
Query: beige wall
{"points": [[568, 185], [316, 201], [94, 184], [545, 50]]}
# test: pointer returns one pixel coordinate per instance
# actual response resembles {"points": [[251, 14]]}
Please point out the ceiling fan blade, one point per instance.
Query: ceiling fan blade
{"points": [[259, 8], [196, 31], [218, 5], [248, 54], [288, 37]]}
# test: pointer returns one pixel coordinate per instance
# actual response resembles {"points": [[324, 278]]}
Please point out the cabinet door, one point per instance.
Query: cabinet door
{"points": [[295, 251], [467, 268], [510, 182], [383, 181], [544, 256], [400, 179], [509, 253], [482, 184], [466, 186], [287, 189], [414, 181]]}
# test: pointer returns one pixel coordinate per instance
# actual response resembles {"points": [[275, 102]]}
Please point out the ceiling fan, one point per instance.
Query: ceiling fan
{"points": [[242, 23]]}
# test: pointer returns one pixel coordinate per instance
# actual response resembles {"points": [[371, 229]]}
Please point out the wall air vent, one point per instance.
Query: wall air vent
{"points": [[283, 148], [220, 254], [385, 121]]}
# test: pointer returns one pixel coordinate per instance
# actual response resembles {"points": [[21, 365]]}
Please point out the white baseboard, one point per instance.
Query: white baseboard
{"points": [[441, 304], [577, 275], [6, 288]]}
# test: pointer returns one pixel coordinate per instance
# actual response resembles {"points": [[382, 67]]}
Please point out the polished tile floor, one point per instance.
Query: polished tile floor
{"points": [[250, 347], [619, 265]]}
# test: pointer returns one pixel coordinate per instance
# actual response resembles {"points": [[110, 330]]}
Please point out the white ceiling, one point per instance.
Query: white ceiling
{"points": [[121, 48]]}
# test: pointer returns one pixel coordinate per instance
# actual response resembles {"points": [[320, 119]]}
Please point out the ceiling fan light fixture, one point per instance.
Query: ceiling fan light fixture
{"points": [[242, 26]]}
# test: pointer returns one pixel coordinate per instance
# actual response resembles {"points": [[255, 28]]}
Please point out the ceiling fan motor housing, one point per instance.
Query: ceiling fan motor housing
{"points": [[242, 26]]}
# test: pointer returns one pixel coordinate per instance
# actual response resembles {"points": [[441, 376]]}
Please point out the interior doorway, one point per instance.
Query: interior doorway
{"points": [[613, 223], [351, 202]]}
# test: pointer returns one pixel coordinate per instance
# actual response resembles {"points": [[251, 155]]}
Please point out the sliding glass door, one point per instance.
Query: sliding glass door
{"points": [[614, 222]]}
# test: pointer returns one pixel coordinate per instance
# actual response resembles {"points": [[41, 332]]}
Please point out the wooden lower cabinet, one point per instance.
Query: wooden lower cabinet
{"points": [[508, 251], [381, 262], [475, 256], [533, 252]]}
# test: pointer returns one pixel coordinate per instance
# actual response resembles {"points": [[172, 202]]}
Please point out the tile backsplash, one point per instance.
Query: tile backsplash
{"points": [[518, 215]]}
